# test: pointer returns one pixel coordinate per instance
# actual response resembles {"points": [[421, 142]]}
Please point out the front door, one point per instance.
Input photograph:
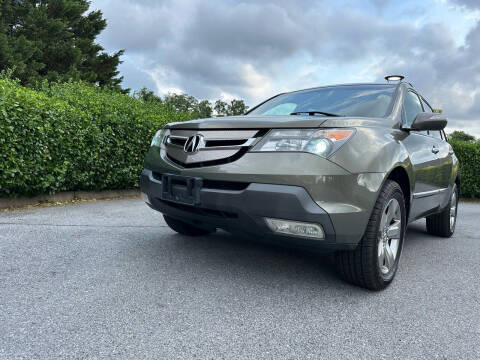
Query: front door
{"points": [[427, 165]]}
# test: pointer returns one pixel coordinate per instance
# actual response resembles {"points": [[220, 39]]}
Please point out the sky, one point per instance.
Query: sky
{"points": [[254, 49]]}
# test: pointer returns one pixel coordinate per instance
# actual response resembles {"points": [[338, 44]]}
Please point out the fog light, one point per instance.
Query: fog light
{"points": [[296, 228]]}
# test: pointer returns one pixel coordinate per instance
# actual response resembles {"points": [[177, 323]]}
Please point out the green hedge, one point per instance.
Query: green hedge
{"points": [[468, 154], [73, 136]]}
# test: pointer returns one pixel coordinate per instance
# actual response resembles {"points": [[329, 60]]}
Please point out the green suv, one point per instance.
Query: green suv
{"points": [[339, 168]]}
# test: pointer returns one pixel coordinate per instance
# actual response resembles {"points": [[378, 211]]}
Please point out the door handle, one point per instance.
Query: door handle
{"points": [[435, 150]]}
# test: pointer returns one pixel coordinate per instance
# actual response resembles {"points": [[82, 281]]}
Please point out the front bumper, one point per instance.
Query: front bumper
{"points": [[244, 210]]}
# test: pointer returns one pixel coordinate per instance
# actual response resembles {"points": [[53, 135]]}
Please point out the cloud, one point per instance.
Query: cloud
{"points": [[254, 49], [447, 74], [381, 4], [471, 4]]}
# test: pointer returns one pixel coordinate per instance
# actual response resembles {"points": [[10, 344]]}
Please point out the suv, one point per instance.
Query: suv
{"points": [[339, 168]]}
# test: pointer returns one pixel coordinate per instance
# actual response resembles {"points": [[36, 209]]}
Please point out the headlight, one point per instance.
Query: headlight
{"points": [[319, 142], [160, 137]]}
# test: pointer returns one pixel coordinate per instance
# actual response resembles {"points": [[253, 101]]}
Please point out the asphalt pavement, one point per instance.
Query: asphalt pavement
{"points": [[110, 280]]}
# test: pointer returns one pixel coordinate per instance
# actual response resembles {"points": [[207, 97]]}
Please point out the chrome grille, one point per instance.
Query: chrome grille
{"points": [[217, 146]]}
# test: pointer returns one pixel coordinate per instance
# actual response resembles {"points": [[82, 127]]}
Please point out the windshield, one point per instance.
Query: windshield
{"points": [[344, 100]]}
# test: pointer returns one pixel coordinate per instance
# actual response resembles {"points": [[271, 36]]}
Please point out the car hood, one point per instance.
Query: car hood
{"points": [[274, 122], [251, 122]]}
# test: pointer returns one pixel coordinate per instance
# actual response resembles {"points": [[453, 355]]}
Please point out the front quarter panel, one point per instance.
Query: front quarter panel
{"points": [[374, 150]]}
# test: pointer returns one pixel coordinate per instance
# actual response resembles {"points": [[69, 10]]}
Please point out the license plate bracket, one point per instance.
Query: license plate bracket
{"points": [[181, 189]]}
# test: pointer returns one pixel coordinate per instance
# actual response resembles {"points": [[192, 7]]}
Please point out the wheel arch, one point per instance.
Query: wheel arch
{"points": [[400, 175]]}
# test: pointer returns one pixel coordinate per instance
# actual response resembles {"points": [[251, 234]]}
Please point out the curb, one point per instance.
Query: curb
{"points": [[66, 196]]}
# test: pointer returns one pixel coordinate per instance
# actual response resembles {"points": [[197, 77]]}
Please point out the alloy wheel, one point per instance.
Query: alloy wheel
{"points": [[389, 234]]}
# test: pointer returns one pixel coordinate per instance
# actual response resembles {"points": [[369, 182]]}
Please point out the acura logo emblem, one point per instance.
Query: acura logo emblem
{"points": [[194, 143]]}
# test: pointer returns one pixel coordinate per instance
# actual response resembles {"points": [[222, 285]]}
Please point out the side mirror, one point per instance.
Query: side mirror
{"points": [[429, 121]]}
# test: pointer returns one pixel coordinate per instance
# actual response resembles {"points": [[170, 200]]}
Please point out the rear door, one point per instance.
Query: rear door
{"points": [[423, 150]]}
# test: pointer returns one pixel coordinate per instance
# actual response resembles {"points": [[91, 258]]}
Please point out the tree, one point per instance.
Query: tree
{"points": [[181, 102], [55, 40], [147, 95], [221, 108], [236, 107], [189, 104], [461, 136], [204, 109]]}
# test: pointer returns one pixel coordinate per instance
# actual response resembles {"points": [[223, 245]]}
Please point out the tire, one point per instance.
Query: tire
{"points": [[443, 224], [184, 228], [371, 265]]}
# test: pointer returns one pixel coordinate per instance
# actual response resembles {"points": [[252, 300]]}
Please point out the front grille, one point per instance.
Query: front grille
{"points": [[215, 143], [217, 146], [178, 141], [237, 155]]}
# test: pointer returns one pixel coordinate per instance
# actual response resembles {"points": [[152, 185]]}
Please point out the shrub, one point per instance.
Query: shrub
{"points": [[468, 154], [73, 136]]}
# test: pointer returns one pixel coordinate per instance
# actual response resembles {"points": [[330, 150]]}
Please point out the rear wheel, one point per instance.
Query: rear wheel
{"points": [[443, 224], [184, 228], [373, 264]]}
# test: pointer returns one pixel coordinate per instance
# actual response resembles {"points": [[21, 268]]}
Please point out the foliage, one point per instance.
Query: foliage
{"points": [[461, 136], [73, 136], [468, 154], [146, 95], [204, 109], [181, 102], [220, 107], [187, 103], [178, 102], [236, 107], [55, 40]]}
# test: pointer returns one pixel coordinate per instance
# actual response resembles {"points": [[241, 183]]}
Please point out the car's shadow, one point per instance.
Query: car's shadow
{"points": [[416, 230], [241, 260], [417, 234]]}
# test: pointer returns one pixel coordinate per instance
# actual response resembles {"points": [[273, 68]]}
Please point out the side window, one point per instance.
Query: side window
{"points": [[412, 107], [435, 133], [427, 107]]}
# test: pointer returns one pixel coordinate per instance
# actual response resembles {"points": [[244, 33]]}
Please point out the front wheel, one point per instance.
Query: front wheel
{"points": [[373, 264], [443, 224]]}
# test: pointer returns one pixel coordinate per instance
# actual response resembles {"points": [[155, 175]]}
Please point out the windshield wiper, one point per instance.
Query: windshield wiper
{"points": [[313, 112]]}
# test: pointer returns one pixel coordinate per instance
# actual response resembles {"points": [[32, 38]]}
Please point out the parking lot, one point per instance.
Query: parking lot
{"points": [[109, 280]]}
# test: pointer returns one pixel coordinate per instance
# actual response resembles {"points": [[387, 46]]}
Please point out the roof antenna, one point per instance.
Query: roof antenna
{"points": [[394, 78]]}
